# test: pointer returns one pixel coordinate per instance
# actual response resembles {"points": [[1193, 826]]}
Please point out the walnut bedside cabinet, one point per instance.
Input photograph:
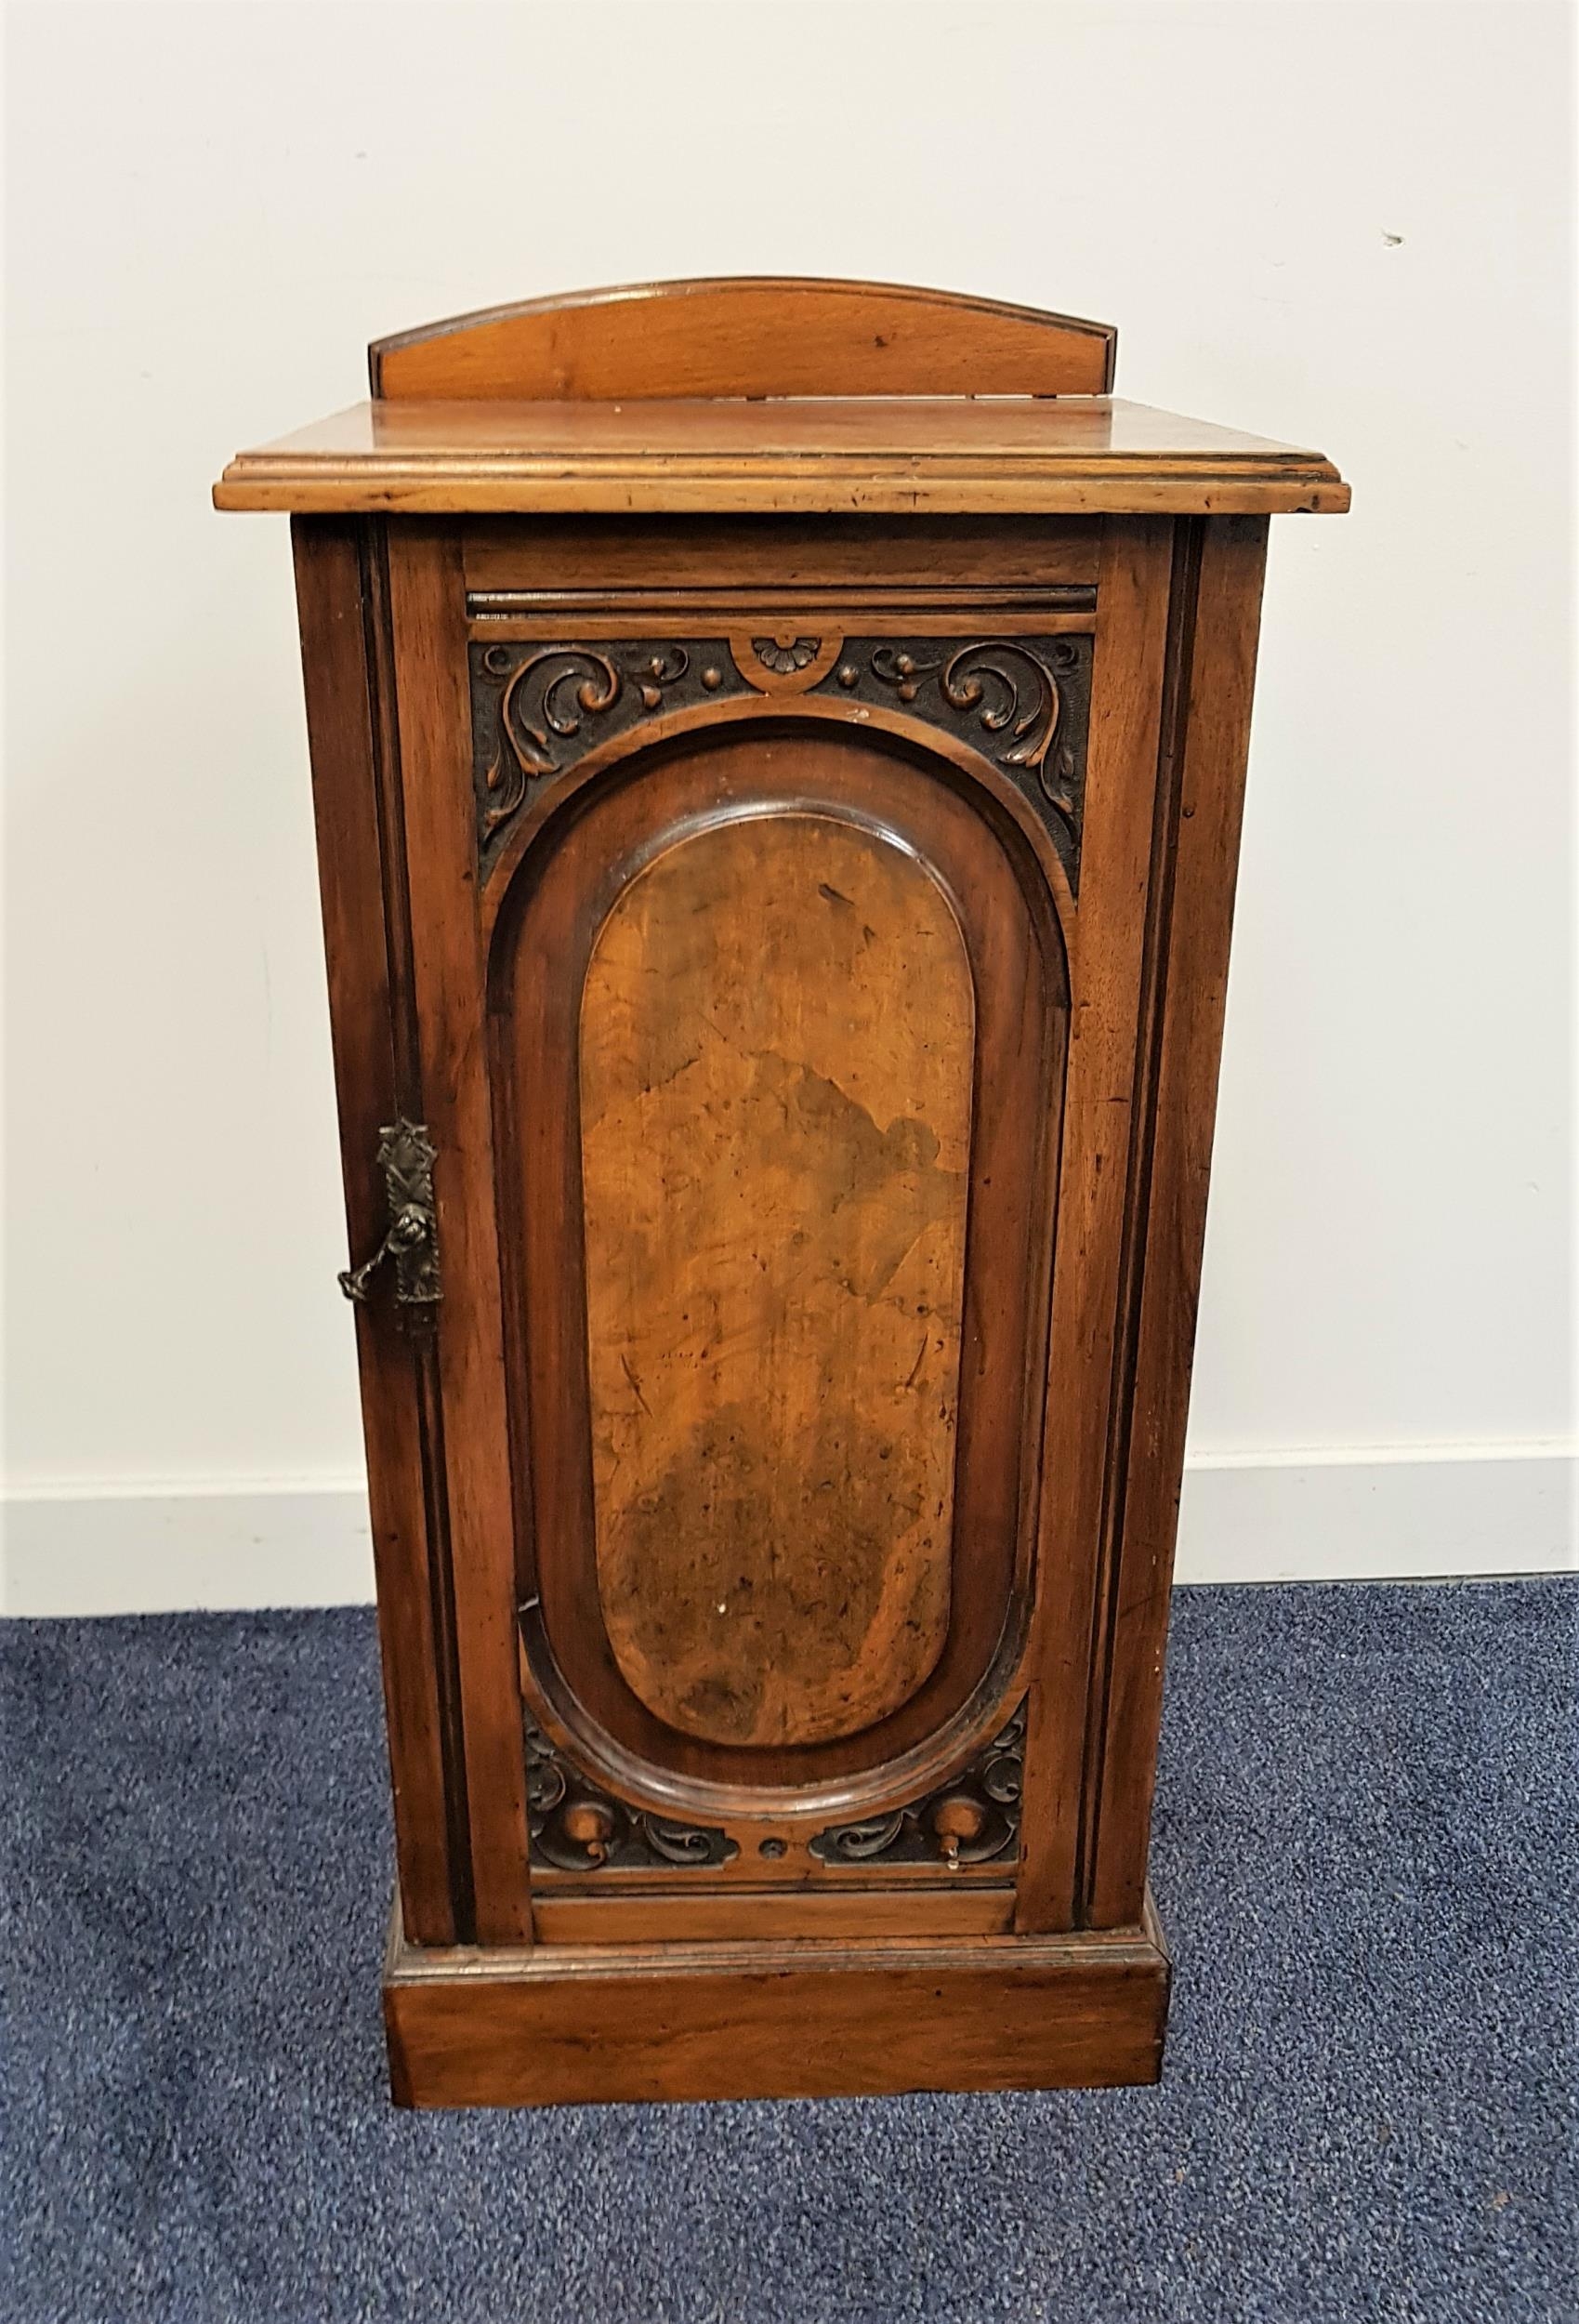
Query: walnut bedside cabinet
{"points": [[778, 750]]}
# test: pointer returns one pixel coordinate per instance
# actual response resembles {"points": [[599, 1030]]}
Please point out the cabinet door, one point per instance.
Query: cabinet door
{"points": [[778, 1024], [743, 959]]}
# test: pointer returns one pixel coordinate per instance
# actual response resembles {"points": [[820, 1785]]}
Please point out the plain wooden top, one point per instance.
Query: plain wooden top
{"points": [[865, 455]]}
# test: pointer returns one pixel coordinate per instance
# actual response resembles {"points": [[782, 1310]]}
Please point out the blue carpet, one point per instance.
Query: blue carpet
{"points": [[1364, 1858]]}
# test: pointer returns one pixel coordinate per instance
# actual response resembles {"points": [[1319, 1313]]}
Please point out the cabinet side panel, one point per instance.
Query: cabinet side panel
{"points": [[1093, 1209], [1210, 752], [330, 596], [428, 617]]}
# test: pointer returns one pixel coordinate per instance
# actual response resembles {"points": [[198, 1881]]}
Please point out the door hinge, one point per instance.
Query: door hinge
{"points": [[406, 1155]]}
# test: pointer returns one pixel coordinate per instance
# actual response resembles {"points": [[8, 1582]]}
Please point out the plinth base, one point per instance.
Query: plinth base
{"points": [[552, 2025]]}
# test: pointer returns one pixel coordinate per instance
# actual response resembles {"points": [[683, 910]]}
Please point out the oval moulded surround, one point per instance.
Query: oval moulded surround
{"points": [[777, 1036], [748, 985]]}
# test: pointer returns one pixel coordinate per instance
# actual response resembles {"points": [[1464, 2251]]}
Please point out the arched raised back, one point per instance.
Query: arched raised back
{"points": [[746, 335]]}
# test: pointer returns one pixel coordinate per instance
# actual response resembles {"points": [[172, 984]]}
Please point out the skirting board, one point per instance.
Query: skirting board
{"points": [[1297, 1516], [551, 2025]]}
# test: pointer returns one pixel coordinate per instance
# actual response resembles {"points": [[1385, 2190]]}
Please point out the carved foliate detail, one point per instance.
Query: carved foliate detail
{"points": [[796, 654], [1027, 701], [576, 1824], [784, 661], [1024, 702], [537, 709], [972, 1820]]}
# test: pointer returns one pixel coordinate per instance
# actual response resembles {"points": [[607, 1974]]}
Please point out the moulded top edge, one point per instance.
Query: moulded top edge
{"points": [[875, 454]]}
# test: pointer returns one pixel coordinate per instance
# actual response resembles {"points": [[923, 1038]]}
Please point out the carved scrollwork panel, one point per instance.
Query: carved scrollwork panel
{"points": [[574, 1825], [975, 1819], [1024, 702], [537, 709]]}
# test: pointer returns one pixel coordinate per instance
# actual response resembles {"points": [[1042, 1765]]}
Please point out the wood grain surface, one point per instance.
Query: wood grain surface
{"points": [[872, 454], [358, 808], [781, 560], [1205, 760], [472, 1499], [722, 1914], [849, 781], [822, 1166], [776, 1045], [801, 2019], [749, 336], [1094, 1211]]}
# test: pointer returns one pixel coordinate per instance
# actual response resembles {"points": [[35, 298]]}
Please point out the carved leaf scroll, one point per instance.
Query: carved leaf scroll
{"points": [[536, 709], [1023, 702], [549, 693], [577, 1826], [1031, 701], [975, 1819]]}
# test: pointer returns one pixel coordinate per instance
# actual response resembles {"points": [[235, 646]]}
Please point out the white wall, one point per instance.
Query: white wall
{"points": [[1346, 226]]}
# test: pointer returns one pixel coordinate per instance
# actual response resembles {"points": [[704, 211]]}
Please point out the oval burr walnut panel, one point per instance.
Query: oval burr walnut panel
{"points": [[777, 1036], [778, 1013]]}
